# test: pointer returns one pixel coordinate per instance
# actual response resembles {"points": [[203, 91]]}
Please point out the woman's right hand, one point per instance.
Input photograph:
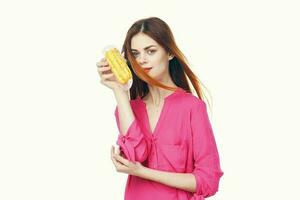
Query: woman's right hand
{"points": [[107, 77]]}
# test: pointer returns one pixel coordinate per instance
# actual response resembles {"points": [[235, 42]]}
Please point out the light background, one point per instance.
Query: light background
{"points": [[57, 122]]}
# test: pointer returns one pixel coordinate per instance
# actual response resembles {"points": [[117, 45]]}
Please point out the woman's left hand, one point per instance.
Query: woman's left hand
{"points": [[125, 166]]}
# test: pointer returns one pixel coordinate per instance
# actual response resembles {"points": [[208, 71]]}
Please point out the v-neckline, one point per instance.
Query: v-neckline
{"points": [[161, 114], [152, 132]]}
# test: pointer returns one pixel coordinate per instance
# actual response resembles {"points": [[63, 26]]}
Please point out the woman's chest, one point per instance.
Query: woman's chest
{"points": [[153, 116], [167, 123]]}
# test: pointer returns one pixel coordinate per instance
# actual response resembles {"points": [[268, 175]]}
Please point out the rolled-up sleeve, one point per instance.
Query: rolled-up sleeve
{"points": [[207, 169], [133, 144]]}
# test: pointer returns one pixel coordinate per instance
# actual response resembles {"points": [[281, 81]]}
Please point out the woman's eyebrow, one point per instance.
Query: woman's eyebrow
{"points": [[144, 48]]}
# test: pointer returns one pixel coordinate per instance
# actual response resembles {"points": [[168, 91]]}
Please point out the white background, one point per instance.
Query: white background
{"points": [[57, 121]]}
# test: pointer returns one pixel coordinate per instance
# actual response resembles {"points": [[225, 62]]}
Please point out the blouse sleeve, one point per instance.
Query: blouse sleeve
{"points": [[133, 144], [207, 169]]}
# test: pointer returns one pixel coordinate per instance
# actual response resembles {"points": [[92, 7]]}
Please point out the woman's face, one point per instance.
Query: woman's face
{"points": [[151, 56]]}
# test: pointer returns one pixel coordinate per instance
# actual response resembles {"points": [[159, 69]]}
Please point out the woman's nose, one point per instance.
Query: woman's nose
{"points": [[142, 59]]}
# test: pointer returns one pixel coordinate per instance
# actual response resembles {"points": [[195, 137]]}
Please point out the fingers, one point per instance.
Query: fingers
{"points": [[112, 149], [112, 153], [105, 73], [119, 166], [104, 68], [121, 160], [103, 63], [118, 151], [117, 157], [107, 76]]}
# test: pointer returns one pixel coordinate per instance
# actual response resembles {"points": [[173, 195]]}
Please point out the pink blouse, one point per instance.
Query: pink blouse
{"points": [[182, 141]]}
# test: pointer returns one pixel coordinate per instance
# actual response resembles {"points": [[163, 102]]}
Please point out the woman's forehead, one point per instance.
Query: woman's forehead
{"points": [[142, 41]]}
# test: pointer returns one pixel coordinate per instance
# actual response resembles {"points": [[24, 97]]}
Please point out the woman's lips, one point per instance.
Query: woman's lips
{"points": [[147, 69]]}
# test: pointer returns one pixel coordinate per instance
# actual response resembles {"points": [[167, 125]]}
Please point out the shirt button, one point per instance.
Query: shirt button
{"points": [[123, 140]]}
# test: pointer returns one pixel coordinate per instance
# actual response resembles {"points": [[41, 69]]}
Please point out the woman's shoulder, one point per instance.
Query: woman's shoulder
{"points": [[134, 103], [190, 100]]}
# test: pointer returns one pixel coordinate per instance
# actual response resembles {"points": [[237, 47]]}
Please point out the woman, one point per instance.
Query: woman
{"points": [[167, 146]]}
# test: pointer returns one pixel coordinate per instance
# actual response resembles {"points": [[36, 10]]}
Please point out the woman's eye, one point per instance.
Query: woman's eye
{"points": [[151, 51], [134, 54]]}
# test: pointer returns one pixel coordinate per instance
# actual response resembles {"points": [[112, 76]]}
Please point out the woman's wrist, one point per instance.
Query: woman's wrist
{"points": [[119, 92], [140, 171]]}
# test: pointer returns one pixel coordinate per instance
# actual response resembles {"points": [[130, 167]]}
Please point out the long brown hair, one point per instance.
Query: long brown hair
{"points": [[179, 68]]}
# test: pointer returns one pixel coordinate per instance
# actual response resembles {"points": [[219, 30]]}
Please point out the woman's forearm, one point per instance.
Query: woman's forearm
{"points": [[183, 181], [126, 115]]}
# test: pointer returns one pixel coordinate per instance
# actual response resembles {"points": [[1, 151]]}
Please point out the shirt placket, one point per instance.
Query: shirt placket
{"points": [[154, 151]]}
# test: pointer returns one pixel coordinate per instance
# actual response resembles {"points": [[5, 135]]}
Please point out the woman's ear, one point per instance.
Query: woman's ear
{"points": [[171, 56]]}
